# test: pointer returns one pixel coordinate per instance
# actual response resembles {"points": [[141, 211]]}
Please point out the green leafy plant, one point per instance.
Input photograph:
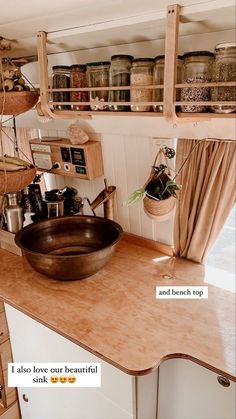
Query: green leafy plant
{"points": [[160, 185]]}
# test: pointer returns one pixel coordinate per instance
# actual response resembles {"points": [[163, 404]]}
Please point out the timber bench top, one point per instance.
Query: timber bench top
{"points": [[115, 314]]}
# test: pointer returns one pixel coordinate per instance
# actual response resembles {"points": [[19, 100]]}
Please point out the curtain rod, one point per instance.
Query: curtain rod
{"points": [[219, 140], [226, 140]]}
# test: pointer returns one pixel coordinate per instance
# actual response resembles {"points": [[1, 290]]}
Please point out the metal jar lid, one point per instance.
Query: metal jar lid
{"points": [[147, 60], [122, 57], [78, 67], [225, 45], [61, 67], [98, 63], [198, 54], [162, 57]]}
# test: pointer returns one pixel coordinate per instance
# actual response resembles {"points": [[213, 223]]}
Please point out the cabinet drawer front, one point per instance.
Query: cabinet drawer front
{"points": [[5, 354], [10, 392], [2, 391], [3, 327], [68, 403], [12, 413]]}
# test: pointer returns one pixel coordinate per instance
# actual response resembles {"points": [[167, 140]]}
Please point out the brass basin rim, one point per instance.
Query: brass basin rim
{"points": [[69, 218]]}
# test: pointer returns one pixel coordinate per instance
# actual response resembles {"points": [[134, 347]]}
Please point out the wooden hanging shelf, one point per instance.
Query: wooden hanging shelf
{"points": [[170, 105]]}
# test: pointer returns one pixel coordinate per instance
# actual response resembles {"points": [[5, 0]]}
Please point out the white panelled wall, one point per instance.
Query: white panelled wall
{"points": [[127, 163]]}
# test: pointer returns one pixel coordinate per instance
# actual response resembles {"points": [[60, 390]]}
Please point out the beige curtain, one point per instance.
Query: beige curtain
{"points": [[207, 195]]}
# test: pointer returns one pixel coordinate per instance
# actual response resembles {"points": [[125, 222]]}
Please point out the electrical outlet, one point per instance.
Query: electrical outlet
{"points": [[158, 141]]}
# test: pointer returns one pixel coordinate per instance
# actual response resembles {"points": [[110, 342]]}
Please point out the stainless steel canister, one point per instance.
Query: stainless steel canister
{"points": [[55, 208], [13, 214]]}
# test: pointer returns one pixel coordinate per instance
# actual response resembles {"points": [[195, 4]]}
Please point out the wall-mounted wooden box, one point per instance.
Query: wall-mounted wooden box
{"points": [[82, 161]]}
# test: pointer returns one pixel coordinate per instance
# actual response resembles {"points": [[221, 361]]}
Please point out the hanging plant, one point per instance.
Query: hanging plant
{"points": [[160, 191]]}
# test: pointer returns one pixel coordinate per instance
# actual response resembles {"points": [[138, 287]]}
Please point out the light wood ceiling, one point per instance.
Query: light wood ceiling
{"points": [[115, 22]]}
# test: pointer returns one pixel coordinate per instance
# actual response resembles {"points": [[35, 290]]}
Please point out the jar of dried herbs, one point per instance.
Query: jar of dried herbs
{"points": [[119, 76], [141, 75], [158, 78], [78, 79], [61, 80], [224, 69], [98, 76], [197, 68]]}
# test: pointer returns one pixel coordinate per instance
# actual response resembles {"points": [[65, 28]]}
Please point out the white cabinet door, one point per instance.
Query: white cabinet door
{"points": [[66, 403], [33, 342], [189, 391]]}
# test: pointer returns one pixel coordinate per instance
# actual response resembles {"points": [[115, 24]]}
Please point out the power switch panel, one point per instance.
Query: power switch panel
{"points": [[43, 161], [78, 156], [81, 170], [65, 154], [82, 161]]}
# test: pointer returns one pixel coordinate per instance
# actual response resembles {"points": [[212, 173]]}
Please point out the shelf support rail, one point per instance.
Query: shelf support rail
{"points": [[44, 82], [170, 70], [171, 54]]}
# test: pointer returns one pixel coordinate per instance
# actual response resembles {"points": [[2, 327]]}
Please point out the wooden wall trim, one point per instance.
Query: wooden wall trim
{"points": [[149, 244]]}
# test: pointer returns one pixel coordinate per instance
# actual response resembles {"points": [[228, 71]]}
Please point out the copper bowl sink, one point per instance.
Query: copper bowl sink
{"points": [[69, 248]]}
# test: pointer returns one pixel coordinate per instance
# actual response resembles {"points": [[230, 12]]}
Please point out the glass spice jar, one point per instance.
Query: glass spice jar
{"points": [[78, 79], [141, 75], [98, 76], [197, 68], [61, 80], [119, 76], [224, 69], [158, 78]]}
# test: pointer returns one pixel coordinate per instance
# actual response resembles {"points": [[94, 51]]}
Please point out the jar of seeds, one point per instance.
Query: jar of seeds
{"points": [[78, 79], [120, 76], [197, 68], [158, 78], [141, 75], [98, 76], [61, 80], [224, 69]]}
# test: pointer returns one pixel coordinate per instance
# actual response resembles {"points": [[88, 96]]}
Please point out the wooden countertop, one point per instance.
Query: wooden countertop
{"points": [[115, 314]]}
